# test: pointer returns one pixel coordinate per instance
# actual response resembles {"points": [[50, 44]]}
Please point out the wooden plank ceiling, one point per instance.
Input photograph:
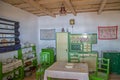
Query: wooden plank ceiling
{"points": [[52, 7]]}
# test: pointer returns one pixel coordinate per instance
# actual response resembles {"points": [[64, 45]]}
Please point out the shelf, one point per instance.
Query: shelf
{"points": [[6, 29], [17, 69], [7, 42], [7, 24], [30, 59], [7, 37], [26, 47], [7, 33], [9, 48], [11, 66], [28, 52], [31, 52], [26, 67]]}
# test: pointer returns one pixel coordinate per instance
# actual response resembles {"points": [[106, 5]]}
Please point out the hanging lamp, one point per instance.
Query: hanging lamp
{"points": [[62, 10]]}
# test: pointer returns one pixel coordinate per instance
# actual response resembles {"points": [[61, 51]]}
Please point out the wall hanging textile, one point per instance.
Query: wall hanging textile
{"points": [[107, 32]]}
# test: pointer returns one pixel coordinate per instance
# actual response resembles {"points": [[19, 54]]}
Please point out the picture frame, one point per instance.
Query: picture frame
{"points": [[47, 34], [107, 32]]}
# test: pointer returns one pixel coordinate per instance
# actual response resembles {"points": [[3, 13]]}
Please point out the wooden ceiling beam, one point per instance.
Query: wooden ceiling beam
{"points": [[103, 3], [113, 7], [29, 9], [52, 7], [37, 6], [69, 4], [48, 1], [22, 5]]}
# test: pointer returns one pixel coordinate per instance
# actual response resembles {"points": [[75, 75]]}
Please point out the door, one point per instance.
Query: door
{"points": [[62, 46]]}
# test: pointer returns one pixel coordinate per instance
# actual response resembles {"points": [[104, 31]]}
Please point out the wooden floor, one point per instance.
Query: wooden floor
{"points": [[112, 77]]}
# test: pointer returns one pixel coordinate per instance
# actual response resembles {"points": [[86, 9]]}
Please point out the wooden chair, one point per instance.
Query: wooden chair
{"points": [[44, 63], [102, 70]]}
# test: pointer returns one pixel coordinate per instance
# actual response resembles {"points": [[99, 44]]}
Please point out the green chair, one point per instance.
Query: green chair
{"points": [[45, 59], [44, 63], [102, 70], [51, 51]]}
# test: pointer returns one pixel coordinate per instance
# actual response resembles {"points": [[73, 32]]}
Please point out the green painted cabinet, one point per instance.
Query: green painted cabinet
{"points": [[89, 57], [77, 48], [114, 61], [80, 49]]}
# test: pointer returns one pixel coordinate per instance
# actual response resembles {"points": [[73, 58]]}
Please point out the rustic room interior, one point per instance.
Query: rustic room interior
{"points": [[35, 35]]}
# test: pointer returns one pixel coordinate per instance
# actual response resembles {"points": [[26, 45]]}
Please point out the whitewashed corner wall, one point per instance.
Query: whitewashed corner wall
{"points": [[28, 25], [84, 23]]}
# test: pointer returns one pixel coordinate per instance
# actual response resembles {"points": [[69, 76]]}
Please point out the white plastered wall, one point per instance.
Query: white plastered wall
{"points": [[28, 25], [84, 23]]}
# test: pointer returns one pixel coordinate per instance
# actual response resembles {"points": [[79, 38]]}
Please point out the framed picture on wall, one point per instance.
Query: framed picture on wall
{"points": [[107, 32], [47, 34]]}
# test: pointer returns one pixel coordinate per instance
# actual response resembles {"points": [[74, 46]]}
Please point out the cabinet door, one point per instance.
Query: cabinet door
{"points": [[62, 46], [73, 57], [90, 59]]}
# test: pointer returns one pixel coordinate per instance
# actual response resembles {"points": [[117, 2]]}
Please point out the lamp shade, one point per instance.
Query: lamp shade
{"points": [[62, 10]]}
